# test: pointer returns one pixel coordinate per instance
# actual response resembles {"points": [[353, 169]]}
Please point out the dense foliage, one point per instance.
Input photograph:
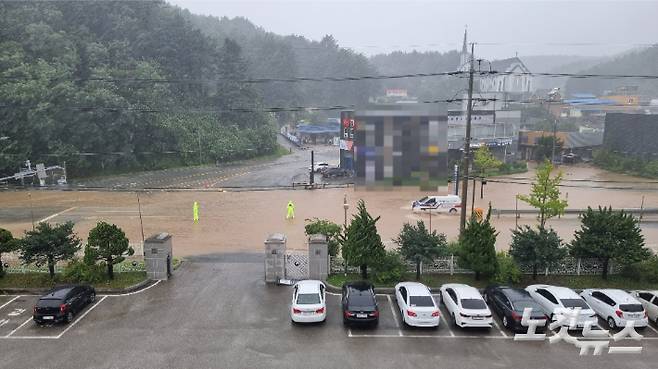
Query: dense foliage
{"points": [[609, 235], [48, 244], [539, 248], [626, 164], [477, 249], [108, 243], [109, 86], [417, 244], [7, 244], [361, 245]]}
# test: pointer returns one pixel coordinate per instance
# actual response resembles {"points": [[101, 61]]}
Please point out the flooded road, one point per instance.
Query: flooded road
{"points": [[240, 221]]}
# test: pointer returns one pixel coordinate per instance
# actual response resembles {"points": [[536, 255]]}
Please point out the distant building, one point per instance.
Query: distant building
{"points": [[579, 143], [397, 143], [318, 133], [632, 134]]}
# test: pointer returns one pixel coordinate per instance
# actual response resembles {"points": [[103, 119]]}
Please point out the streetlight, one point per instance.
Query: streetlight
{"points": [[345, 207]]}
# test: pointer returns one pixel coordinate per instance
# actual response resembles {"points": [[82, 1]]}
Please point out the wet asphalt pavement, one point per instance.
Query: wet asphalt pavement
{"points": [[217, 312]]}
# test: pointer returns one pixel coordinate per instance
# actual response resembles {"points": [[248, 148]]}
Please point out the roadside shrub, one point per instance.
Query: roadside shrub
{"points": [[80, 272], [390, 268], [645, 270], [453, 247], [508, 272]]}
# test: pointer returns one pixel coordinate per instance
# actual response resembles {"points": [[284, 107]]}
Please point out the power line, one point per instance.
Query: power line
{"points": [[332, 78]]}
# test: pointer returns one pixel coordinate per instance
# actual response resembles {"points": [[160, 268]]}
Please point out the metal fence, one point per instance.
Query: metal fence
{"points": [[450, 265]]}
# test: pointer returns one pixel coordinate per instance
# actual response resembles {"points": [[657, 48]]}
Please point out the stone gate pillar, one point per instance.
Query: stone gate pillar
{"points": [[318, 257], [275, 257], [158, 256]]}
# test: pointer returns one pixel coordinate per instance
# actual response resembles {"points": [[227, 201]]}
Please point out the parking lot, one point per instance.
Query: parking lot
{"points": [[218, 312]]}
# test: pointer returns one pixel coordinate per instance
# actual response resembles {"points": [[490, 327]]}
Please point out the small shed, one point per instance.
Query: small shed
{"points": [[158, 256]]}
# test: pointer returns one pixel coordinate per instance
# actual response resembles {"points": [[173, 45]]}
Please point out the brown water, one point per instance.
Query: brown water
{"points": [[240, 221]]}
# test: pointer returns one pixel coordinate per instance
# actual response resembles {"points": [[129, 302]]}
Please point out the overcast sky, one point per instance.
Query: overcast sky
{"points": [[500, 28]]}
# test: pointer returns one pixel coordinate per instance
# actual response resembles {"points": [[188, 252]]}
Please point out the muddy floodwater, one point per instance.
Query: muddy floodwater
{"points": [[240, 221]]}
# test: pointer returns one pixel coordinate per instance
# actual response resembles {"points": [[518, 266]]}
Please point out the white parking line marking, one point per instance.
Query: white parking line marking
{"points": [[19, 327], [135, 292], [652, 328], [395, 318], [498, 327], [349, 332], [72, 324], [426, 336], [9, 302], [447, 325], [56, 214]]}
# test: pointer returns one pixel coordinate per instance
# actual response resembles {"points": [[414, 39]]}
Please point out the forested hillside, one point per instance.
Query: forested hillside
{"points": [[640, 62], [274, 56], [121, 85], [426, 88]]}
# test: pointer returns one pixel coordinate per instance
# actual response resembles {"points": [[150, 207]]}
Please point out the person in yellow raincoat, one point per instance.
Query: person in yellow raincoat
{"points": [[195, 212], [291, 210]]}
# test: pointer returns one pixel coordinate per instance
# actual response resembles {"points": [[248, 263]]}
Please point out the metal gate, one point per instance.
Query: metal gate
{"points": [[296, 266]]}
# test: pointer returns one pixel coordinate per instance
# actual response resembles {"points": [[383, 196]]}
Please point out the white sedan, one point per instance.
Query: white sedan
{"points": [[466, 306], [416, 304], [616, 307], [561, 301], [649, 300], [308, 302]]}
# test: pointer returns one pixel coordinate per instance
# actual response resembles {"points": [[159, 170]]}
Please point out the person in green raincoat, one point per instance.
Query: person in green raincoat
{"points": [[291, 210]]}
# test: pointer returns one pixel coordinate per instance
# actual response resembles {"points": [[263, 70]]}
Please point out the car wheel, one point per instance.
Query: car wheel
{"points": [[92, 297], [69, 317], [452, 211], [454, 319], [505, 322], [611, 323]]}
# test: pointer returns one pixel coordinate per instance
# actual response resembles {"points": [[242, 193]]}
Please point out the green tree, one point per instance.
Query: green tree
{"points": [[328, 228], [484, 160], [417, 244], [361, 244], [545, 194], [544, 148], [109, 243], [7, 244], [49, 244], [540, 248], [609, 235], [477, 249], [508, 271]]}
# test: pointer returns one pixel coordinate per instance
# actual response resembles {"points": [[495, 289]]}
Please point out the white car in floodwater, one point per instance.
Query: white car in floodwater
{"points": [[443, 204]]}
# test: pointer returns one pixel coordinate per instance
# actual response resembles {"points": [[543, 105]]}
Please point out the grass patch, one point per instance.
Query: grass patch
{"points": [[42, 280], [571, 281]]}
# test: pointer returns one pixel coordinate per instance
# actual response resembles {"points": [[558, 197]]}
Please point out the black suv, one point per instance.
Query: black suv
{"points": [[61, 303], [359, 303], [508, 303]]}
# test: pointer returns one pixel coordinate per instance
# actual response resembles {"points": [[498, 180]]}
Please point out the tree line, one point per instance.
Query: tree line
{"points": [[115, 86], [47, 245], [604, 234]]}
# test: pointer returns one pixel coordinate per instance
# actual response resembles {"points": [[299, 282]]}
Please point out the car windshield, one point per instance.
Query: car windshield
{"points": [[308, 298], [631, 308], [473, 304], [421, 301], [49, 302], [574, 303], [523, 304], [423, 199], [362, 299]]}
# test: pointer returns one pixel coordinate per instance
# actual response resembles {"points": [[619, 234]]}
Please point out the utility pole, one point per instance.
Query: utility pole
{"points": [[467, 144], [198, 133]]}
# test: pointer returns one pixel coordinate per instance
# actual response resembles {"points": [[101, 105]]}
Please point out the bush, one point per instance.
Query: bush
{"points": [[646, 270], [508, 272], [390, 268], [80, 272], [327, 228], [453, 247]]}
